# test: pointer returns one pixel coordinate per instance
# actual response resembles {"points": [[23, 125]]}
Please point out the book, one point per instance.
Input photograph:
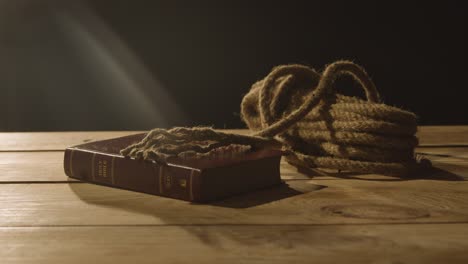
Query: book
{"points": [[201, 180]]}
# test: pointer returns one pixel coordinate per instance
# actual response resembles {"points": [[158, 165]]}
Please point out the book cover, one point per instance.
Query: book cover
{"points": [[201, 180]]}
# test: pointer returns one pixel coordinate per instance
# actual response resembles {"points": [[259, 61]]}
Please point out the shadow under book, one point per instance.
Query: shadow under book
{"points": [[201, 180]]}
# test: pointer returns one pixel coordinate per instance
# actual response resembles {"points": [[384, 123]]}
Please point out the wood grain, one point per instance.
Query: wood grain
{"points": [[47, 141], [304, 202], [320, 217], [32, 167], [443, 135], [423, 243], [47, 166], [36, 141], [42, 141]]}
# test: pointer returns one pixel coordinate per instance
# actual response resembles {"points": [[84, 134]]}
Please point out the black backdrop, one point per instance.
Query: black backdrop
{"points": [[208, 53]]}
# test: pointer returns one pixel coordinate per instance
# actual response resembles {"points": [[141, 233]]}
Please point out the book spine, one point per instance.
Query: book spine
{"points": [[130, 174]]}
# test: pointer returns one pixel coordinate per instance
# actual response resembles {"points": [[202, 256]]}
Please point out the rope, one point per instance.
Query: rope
{"points": [[192, 143], [320, 128], [298, 109]]}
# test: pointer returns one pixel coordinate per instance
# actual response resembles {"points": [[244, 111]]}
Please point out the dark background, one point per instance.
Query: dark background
{"points": [[204, 55]]}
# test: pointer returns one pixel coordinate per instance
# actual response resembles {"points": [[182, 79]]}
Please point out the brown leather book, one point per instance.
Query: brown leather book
{"points": [[200, 180]]}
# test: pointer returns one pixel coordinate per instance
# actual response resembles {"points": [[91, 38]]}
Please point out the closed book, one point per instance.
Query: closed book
{"points": [[200, 180]]}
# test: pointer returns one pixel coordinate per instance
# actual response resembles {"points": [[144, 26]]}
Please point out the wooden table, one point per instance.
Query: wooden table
{"points": [[47, 218]]}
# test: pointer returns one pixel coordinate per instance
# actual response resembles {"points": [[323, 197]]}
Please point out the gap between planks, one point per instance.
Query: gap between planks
{"points": [[239, 225]]}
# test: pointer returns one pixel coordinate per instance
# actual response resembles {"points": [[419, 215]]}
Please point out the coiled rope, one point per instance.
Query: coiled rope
{"points": [[297, 108], [324, 129]]}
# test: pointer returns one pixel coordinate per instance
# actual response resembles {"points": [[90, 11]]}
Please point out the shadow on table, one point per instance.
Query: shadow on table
{"points": [[431, 173], [208, 222], [289, 189]]}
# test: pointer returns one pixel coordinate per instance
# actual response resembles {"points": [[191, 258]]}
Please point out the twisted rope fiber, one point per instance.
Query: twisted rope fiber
{"points": [[193, 143], [320, 128], [297, 109]]}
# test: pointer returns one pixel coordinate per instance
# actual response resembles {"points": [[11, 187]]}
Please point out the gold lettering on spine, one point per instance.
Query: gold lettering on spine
{"points": [[112, 169], [161, 171], [71, 162], [191, 184], [92, 166], [102, 170]]}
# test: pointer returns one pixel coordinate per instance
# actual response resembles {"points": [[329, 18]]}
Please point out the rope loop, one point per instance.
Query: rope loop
{"points": [[321, 128], [321, 86]]}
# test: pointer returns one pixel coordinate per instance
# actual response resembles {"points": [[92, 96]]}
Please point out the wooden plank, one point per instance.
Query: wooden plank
{"points": [[443, 135], [425, 243], [32, 167], [48, 166], [328, 219], [304, 202], [444, 154], [36, 141], [33, 141]]}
